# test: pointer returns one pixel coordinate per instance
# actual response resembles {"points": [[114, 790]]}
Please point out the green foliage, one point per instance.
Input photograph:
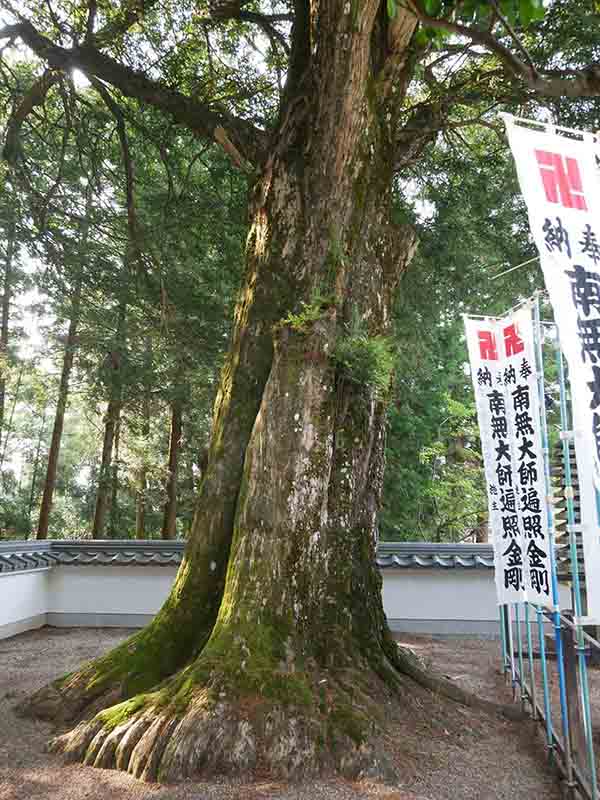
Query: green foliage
{"points": [[309, 312], [366, 360], [177, 280], [456, 491], [301, 322]]}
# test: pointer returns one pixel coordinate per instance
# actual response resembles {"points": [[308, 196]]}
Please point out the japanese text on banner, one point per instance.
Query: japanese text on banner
{"points": [[502, 359], [559, 180]]}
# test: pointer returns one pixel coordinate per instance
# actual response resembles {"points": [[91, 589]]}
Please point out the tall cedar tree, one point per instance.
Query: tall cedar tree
{"points": [[272, 648]]}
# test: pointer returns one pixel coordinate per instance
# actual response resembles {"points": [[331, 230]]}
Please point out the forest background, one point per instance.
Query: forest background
{"points": [[117, 303]]}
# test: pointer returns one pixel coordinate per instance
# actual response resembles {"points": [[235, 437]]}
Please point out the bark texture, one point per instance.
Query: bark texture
{"points": [[273, 647]]}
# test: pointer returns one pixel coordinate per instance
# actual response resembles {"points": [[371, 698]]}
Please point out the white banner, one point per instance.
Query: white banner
{"points": [[502, 357], [559, 180]]}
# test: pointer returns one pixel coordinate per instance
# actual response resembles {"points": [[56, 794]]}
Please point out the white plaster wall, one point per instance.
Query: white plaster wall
{"points": [[23, 601], [415, 599], [420, 600], [456, 594], [109, 590], [418, 594]]}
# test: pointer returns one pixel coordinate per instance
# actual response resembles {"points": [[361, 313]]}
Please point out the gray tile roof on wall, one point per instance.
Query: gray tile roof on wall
{"points": [[407, 555], [17, 556]]}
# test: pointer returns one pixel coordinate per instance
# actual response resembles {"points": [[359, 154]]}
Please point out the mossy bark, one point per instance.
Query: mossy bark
{"points": [[273, 647]]}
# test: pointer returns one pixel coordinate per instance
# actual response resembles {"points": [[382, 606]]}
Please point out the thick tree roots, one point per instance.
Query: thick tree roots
{"points": [[217, 734], [286, 725]]}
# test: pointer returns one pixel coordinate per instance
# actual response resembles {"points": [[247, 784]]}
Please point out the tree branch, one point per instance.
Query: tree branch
{"points": [[512, 33], [267, 26], [34, 97], [568, 83], [130, 13], [115, 110], [241, 140], [91, 20]]}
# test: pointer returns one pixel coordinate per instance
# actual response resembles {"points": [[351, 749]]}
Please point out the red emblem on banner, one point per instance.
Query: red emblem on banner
{"points": [[512, 341], [561, 179], [487, 346]]}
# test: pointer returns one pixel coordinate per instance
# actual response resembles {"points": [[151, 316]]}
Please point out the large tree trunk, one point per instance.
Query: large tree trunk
{"points": [[169, 530], [5, 313], [272, 647]]}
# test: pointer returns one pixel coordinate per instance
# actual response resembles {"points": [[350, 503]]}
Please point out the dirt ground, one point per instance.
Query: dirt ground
{"points": [[442, 751]]}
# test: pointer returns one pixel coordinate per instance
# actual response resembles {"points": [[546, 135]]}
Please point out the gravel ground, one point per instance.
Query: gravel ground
{"points": [[442, 751]]}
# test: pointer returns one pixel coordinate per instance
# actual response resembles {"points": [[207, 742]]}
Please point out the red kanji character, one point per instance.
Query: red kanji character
{"points": [[487, 345], [512, 341], [562, 179]]}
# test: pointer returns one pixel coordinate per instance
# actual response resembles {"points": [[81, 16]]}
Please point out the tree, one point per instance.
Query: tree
{"points": [[273, 645], [63, 390], [5, 308]]}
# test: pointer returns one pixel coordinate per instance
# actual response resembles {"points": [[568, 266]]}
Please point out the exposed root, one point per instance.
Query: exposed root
{"points": [[237, 716], [216, 735], [66, 701], [409, 664]]}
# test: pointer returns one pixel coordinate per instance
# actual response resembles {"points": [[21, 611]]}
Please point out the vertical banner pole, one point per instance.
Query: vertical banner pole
{"points": [[549, 501], [583, 677], [520, 654], [537, 335], [546, 690], [503, 638], [532, 690], [511, 650]]}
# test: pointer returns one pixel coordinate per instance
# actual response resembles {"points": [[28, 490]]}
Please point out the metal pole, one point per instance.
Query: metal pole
{"points": [[569, 495], [503, 639], [511, 650], [532, 690], [546, 690], [520, 654], [550, 512]]}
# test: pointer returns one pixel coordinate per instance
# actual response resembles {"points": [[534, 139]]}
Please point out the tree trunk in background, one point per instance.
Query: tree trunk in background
{"points": [[8, 428], [104, 478], [65, 376], [59, 417], [5, 315], [482, 530], [113, 525], [169, 529], [141, 499], [36, 463], [113, 413]]}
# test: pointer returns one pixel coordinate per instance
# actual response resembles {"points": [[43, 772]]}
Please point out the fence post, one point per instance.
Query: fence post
{"points": [[532, 688], [537, 335], [576, 729], [578, 645], [503, 639]]}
